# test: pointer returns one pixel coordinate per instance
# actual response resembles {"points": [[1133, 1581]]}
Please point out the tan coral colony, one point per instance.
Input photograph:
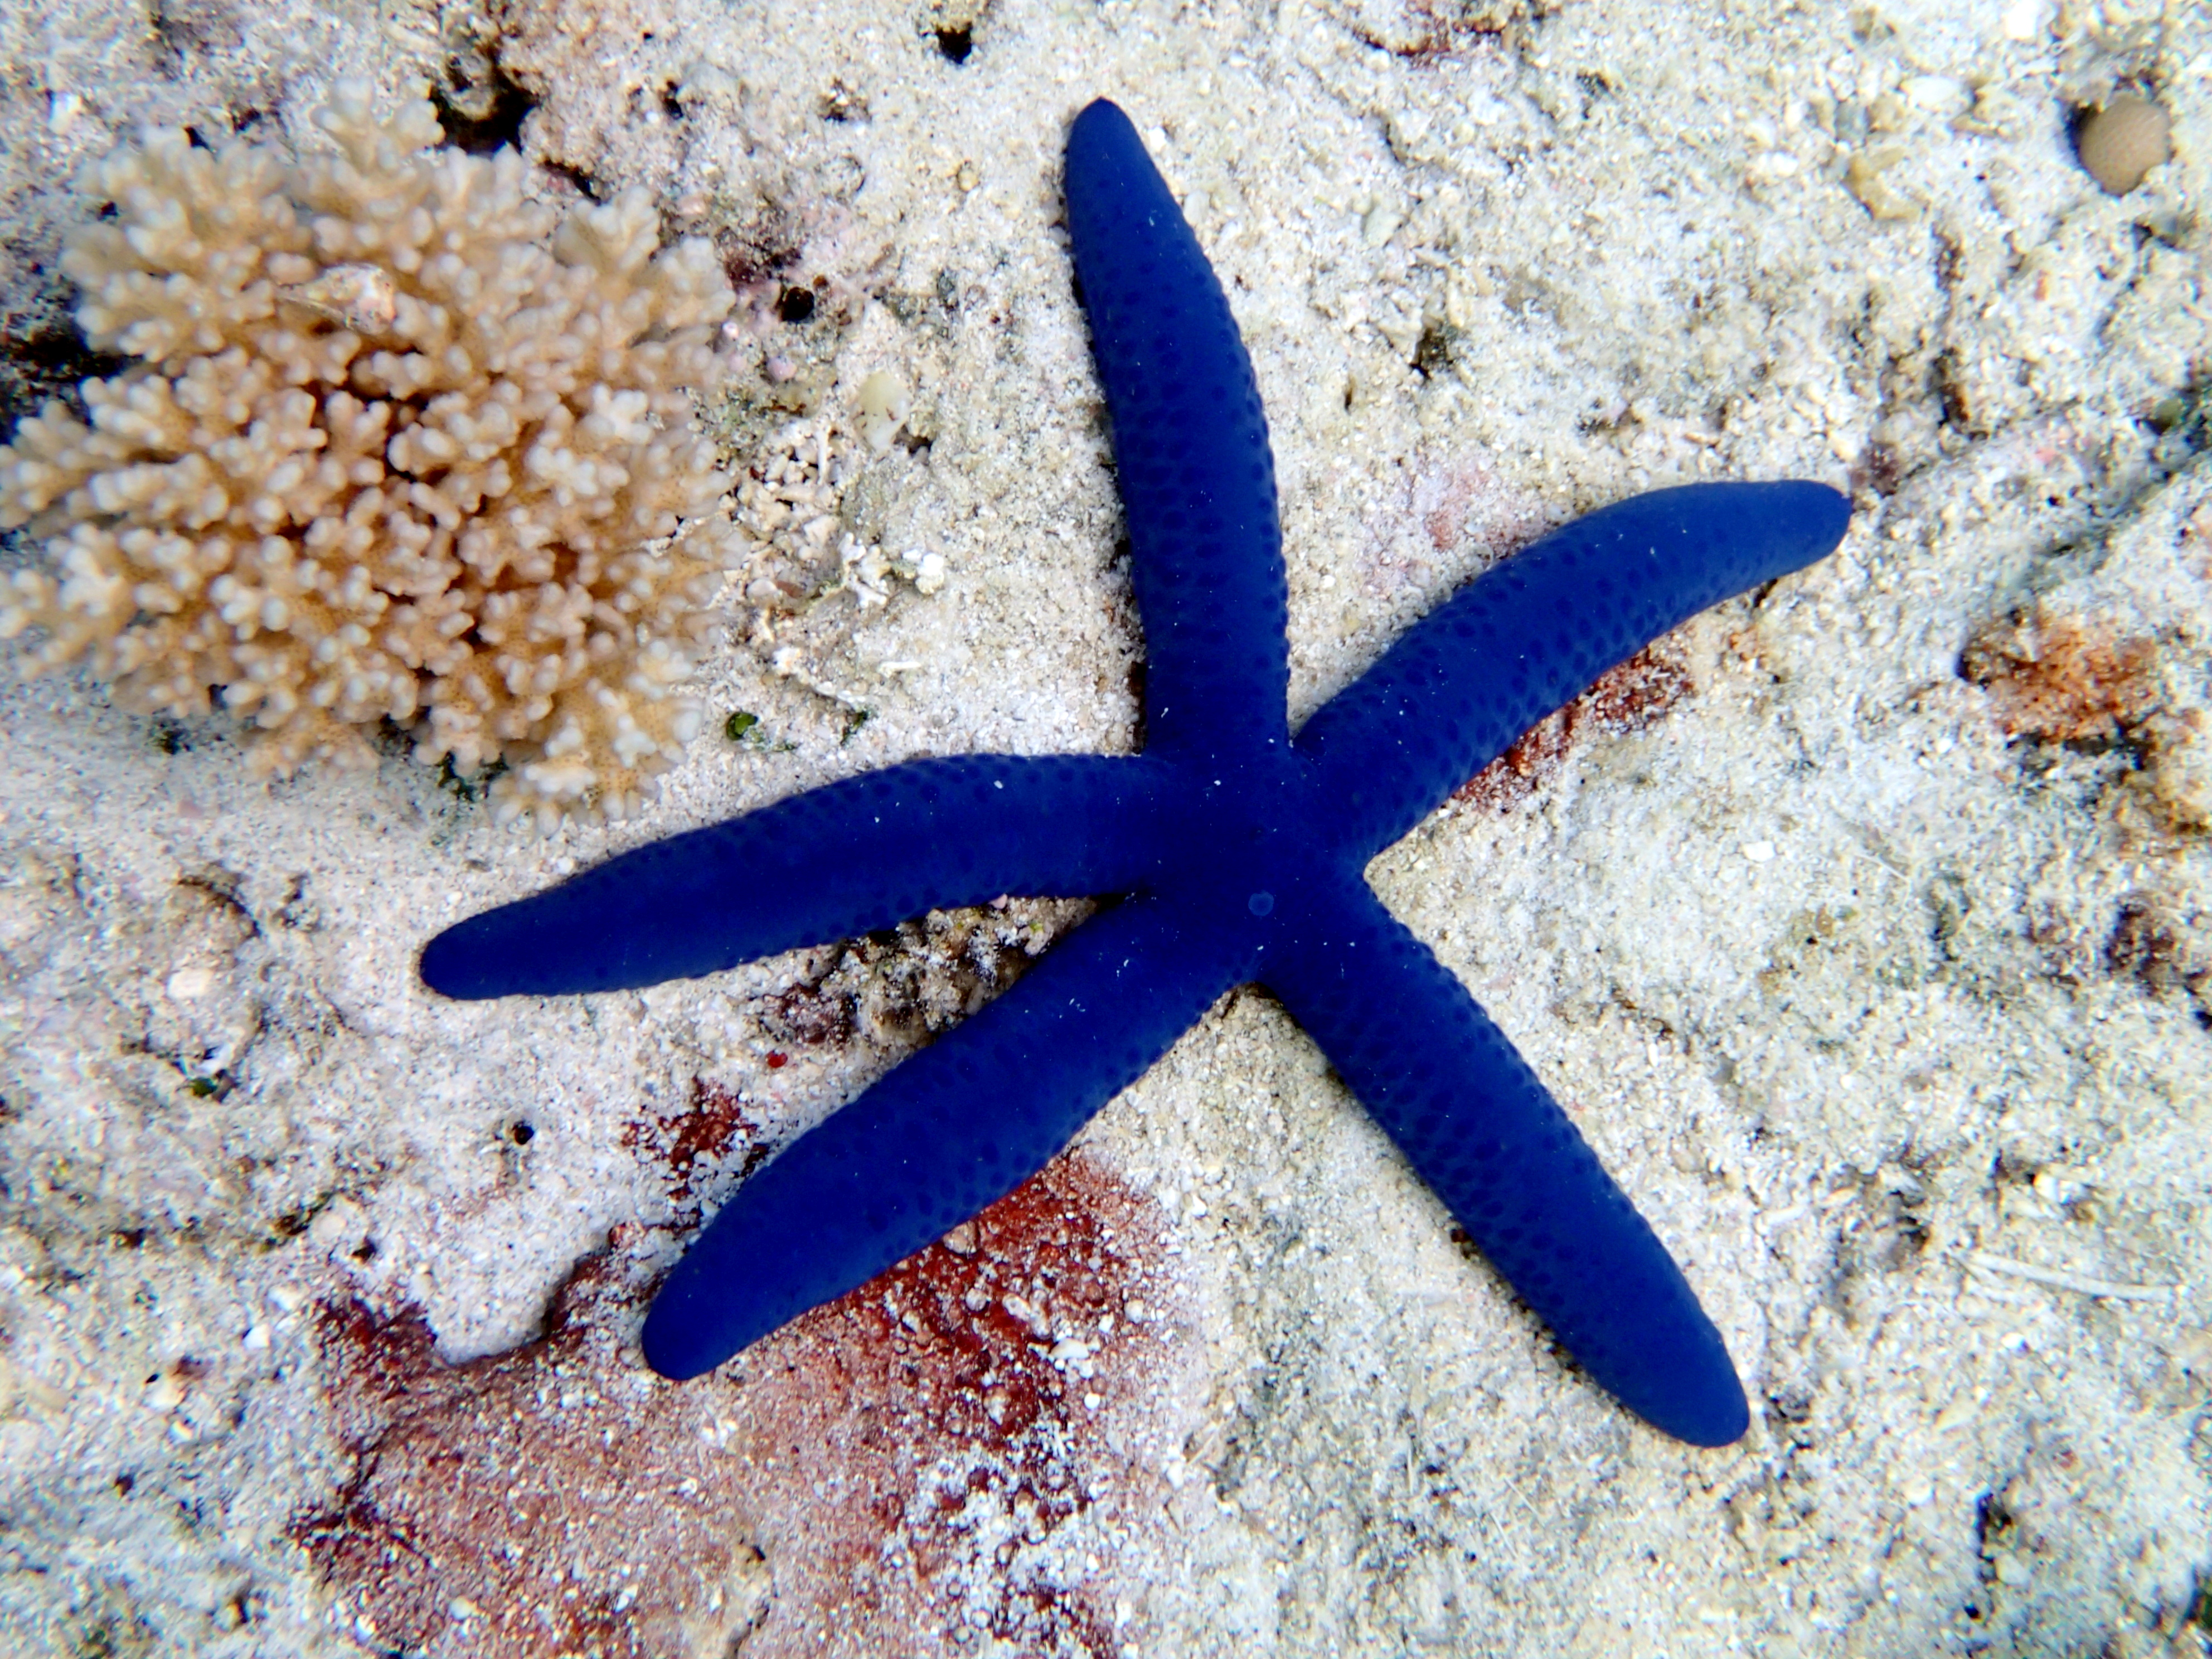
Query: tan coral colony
{"points": [[402, 444]]}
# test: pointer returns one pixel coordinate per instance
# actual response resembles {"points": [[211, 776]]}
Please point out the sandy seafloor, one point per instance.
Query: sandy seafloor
{"points": [[1863, 932]]}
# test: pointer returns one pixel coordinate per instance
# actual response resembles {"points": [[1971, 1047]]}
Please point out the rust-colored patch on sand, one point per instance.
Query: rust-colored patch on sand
{"points": [[968, 1445], [555, 1499], [2066, 680], [699, 1139], [964, 1448], [2061, 681], [1627, 698]]}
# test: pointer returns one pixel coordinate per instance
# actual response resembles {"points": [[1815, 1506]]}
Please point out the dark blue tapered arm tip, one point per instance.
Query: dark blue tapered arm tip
{"points": [[679, 1346], [1099, 115], [1819, 514], [455, 964], [1719, 1418]]}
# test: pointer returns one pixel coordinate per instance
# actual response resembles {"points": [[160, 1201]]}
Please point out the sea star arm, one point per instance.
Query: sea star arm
{"points": [[952, 1129], [1478, 1126], [865, 853], [1460, 686], [1198, 479]]}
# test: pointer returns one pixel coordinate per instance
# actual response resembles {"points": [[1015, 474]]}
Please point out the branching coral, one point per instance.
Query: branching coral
{"points": [[404, 445]]}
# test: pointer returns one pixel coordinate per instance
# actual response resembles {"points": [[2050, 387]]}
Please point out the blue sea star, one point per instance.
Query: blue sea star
{"points": [[1236, 851]]}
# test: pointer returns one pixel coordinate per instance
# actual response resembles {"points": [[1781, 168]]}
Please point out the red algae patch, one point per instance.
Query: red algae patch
{"points": [[555, 1499], [696, 1142], [1630, 697], [961, 1451], [968, 1446]]}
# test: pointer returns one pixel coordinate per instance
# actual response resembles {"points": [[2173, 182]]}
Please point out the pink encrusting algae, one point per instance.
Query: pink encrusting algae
{"points": [[966, 1448]]}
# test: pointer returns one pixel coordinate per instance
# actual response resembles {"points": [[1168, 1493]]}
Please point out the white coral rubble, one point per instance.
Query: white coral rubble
{"points": [[404, 444], [790, 517]]}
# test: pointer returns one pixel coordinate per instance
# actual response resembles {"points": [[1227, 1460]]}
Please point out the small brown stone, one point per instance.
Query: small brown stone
{"points": [[2124, 140]]}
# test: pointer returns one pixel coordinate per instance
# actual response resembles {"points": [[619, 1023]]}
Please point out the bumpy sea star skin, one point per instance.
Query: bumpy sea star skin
{"points": [[1238, 851]]}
